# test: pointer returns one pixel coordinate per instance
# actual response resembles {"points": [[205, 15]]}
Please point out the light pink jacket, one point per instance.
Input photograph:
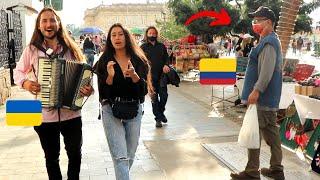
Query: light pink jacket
{"points": [[29, 57]]}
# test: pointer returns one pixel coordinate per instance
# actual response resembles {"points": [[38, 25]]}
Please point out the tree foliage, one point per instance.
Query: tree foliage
{"points": [[183, 9], [171, 30]]}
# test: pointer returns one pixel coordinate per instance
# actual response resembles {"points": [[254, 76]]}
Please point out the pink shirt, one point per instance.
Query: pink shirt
{"points": [[28, 58]]}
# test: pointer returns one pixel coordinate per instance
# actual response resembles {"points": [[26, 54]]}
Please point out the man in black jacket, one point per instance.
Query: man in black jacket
{"points": [[158, 57]]}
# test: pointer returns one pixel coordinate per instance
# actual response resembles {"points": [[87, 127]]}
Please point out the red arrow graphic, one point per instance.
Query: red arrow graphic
{"points": [[222, 18]]}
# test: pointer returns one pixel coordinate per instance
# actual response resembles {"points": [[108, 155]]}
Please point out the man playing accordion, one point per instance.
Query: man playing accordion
{"points": [[51, 35]]}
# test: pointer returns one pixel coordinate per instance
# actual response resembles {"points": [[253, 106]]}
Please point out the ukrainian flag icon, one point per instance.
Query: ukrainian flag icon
{"points": [[23, 113]]}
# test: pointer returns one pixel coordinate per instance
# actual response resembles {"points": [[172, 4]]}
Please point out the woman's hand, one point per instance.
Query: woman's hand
{"points": [[110, 68], [130, 72], [31, 86]]}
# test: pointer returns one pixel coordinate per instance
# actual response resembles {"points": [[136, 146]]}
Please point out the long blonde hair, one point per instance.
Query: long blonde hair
{"points": [[63, 36]]}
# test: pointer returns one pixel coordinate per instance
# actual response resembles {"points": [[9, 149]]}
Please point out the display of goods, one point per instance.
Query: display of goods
{"points": [[312, 81], [191, 52], [191, 64], [307, 90], [303, 71], [4, 56], [17, 28]]}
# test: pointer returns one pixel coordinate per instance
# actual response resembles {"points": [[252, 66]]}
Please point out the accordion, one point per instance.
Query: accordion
{"points": [[60, 82]]}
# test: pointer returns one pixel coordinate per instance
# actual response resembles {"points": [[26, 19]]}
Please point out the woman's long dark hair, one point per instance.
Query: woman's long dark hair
{"points": [[63, 37], [132, 50]]}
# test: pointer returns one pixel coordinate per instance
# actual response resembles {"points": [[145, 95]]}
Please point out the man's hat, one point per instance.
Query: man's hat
{"points": [[263, 12]]}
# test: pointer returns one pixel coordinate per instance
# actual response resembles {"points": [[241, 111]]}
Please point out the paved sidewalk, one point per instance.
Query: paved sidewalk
{"points": [[172, 152], [21, 150]]}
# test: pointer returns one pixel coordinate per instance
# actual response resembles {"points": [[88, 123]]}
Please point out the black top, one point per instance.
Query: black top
{"points": [[121, 87], [246, 50], [158, 57], [88, 44]]}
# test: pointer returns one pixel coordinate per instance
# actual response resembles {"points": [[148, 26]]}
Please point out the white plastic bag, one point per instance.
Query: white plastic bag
{"points": [[249, 133]]}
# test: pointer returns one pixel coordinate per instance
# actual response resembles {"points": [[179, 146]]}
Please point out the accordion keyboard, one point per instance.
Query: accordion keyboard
{"points": [[49, 74]]}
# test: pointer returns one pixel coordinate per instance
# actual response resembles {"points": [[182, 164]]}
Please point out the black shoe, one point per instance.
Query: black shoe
{"points": [[274, 174], [164, 120], [244, 176], [158, 124]]}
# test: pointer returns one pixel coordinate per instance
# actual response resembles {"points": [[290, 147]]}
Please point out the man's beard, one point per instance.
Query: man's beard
{"points": [[51, 37]]}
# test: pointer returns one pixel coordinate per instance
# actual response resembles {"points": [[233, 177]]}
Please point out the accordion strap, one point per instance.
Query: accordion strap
{"points": [[49, 51]]}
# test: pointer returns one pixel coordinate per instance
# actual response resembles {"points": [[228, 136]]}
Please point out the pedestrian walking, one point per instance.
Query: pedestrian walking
{"points": [[156, 53], [262, 86], [51, 35], [123, 81], [294, 46], [299, 45], [89, 49]]}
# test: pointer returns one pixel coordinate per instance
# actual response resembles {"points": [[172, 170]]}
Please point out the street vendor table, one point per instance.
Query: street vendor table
{"points": [[307, 108], [287, 93]]}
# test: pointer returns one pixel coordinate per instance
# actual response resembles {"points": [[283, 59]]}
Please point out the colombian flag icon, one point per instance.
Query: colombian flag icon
{"points": [[23, 113], [218, 71]]}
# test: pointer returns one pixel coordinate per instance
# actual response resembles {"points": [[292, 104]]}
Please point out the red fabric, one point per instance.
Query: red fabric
{"points": [[192, 39], [217, 81], [303, 71]]}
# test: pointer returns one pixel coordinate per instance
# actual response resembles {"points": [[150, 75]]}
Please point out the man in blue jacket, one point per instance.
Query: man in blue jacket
{"points": [[262, 86]]}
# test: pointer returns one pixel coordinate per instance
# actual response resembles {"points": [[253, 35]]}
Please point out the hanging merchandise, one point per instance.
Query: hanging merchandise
{"points": [[4, 56], [17, 30]]}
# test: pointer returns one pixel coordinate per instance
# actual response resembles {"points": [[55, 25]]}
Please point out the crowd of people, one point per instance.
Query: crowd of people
{"points": [[127, 73]]}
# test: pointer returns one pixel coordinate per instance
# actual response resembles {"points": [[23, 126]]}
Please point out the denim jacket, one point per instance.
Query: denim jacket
{"points": [[270, 98]]}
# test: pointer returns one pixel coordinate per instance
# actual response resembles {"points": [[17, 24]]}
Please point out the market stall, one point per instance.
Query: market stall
{"points": [[187, 58]]}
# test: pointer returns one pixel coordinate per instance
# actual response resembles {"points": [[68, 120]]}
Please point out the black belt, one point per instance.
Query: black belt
{"points": [[122, 99]]}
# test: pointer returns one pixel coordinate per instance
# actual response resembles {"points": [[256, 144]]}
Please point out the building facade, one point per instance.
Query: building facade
{"points": [[129, 15], [28, 10]]}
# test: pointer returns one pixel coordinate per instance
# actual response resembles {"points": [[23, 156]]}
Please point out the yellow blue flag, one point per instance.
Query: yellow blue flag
{"points": [[23, 113]]}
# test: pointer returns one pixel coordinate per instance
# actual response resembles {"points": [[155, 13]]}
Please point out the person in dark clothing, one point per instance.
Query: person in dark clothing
{"points": [[123, 74], [244, 45], [157, 55], [89, 50]]}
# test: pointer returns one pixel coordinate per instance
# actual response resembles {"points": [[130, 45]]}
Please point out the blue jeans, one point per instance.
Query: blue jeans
{"points": [[123, 138]]}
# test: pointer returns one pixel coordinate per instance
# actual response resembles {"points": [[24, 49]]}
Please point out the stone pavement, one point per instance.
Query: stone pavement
{"points": [[172, 152], [21, 155]]}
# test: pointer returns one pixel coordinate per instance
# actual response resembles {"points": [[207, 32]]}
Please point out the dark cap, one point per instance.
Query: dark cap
{"points": [[263, 12]]}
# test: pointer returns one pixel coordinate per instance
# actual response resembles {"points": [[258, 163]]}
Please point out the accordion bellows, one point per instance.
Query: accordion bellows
{"points": [[61, 81]]}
